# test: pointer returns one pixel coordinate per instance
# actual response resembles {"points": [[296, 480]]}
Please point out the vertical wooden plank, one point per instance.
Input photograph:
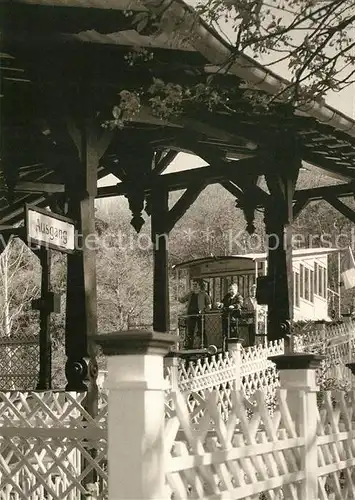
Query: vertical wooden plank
{"points": [[75, 320], [81, 317], [45, 352], [278, 306], [278, 220], [159, 215]]}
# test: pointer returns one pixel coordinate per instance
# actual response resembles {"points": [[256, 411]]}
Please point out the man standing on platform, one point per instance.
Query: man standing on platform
{"points": [[255, 316], [251, 306], [232, 306], [198, 301]]}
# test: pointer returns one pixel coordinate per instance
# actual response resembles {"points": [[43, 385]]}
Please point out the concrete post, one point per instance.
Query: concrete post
{"points": [[298, 376], [234, 349], [136, 399], [171, 364]]}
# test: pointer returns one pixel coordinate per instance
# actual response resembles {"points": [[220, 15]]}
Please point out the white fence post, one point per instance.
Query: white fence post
{"points": [[171, 364], [298, 376], [234, 349], [136, 398]]}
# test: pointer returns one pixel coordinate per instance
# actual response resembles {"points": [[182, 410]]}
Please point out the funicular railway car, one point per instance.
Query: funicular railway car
{"points": [[313, 298]]}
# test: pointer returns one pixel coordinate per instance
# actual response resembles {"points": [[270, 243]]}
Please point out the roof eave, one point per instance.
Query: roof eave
{"points": [[216, 50]]}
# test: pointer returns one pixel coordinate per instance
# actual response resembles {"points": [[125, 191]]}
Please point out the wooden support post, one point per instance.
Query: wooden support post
{"points": [[160, 235], [45, 345], [81, 317], [278, 220], [279, 313], [76, 342]]}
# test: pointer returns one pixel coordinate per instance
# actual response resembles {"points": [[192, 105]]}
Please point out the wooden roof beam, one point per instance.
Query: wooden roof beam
{"points": [[338, 171], [39, 187], [15, 213], [184, 203], [232, 188], [65, 18], [348, 212], [163, 160], [319, 193], [299, 206], [176, 181]]}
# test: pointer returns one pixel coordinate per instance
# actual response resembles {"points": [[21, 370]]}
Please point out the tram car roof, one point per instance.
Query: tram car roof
{"points": [[299, 253]]}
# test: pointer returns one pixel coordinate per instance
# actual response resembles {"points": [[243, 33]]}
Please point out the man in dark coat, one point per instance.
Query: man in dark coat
{"points": [[231, 312], [198, 301]]}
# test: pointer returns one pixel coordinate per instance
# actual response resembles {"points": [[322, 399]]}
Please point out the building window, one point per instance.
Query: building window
{"points": [[217, 290], [325, 285], [296, 290], [320, 281], [311, 289], [301, 281], [306, 283], [315, 286]]}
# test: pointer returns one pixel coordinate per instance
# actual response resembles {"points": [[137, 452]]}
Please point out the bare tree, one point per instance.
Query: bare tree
{"points": [[313, 39], [17, 289], [124, 274]]}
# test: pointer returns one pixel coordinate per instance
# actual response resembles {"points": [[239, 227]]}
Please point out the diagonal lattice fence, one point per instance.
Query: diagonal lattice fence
{"points": [[50, 447], [255, 455], [19, 361], [250, 370]]}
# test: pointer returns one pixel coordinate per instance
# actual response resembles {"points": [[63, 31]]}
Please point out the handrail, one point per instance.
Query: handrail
{"points": [[211, 350]]}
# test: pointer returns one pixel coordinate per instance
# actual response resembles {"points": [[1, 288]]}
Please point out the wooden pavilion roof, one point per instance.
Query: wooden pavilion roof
{"points": [[50, 48]]}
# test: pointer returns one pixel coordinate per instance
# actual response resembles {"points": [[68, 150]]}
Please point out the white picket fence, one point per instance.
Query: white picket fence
{"points": [[301, 451], [224, 439], [48, 438], [250, 369], [46, 443]]}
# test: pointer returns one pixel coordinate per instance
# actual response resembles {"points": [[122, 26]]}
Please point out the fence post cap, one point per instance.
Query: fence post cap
{"points": [[235, 340], [297, 361], [135, 342]]}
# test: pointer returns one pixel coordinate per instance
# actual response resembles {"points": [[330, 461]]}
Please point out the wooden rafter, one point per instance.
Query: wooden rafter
{"points": [[341, 171], [299, 205], [232, 188], [39, 187], [184, 203], [341, 207], [315, 194], [176, 181], [164, 161]]}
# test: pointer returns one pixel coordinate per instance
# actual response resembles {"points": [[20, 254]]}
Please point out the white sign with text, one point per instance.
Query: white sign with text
{"points": [[50, 231]]}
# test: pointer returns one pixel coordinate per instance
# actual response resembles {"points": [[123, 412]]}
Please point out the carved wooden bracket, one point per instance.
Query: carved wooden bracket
{"points": [[136, 199], [248, 200]]}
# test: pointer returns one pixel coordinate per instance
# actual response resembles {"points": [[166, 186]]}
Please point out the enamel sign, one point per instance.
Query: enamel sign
{"points": [[49, 230]]}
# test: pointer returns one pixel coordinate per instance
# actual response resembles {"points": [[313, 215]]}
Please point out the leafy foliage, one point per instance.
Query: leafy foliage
{"points": [[314, 40]]}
